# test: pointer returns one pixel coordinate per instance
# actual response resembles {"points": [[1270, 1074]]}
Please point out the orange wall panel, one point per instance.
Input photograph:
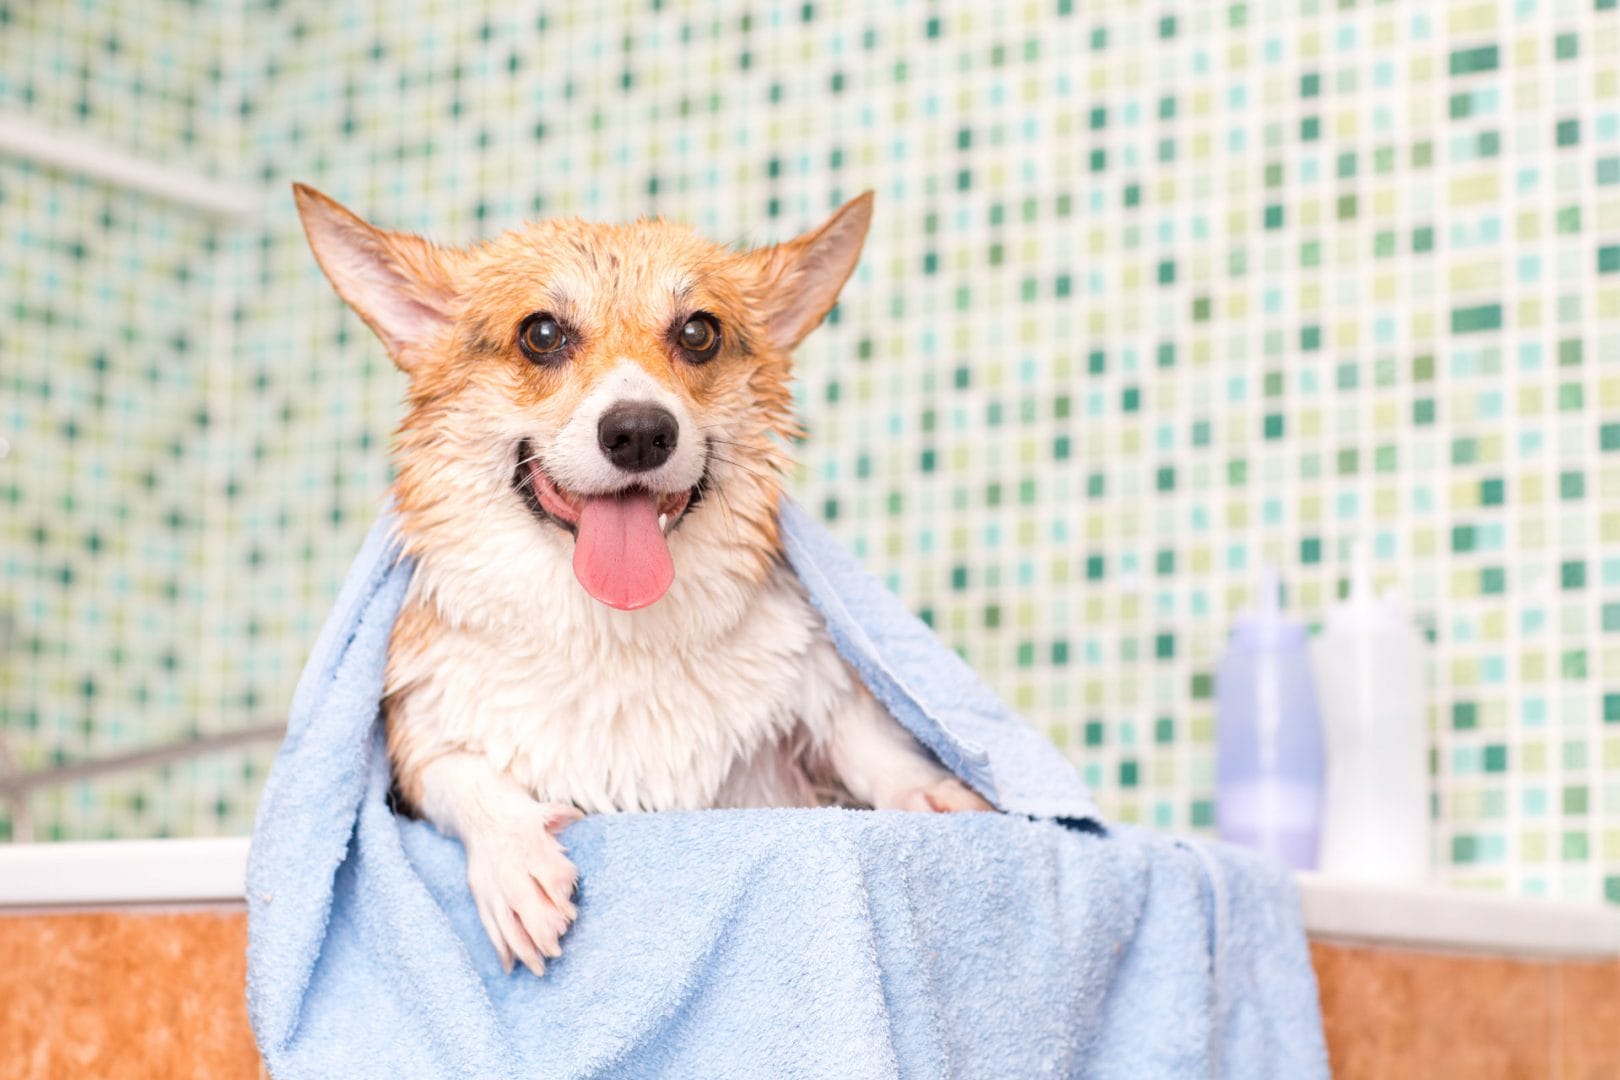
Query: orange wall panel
{"points": [[160, 994], [117, 994]]}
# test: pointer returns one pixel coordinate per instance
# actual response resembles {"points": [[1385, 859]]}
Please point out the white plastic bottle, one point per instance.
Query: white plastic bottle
{"points": [[1369, 663]]}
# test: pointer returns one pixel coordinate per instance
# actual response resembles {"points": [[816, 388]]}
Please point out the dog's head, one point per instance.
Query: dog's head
{"points": [[611, 384]]}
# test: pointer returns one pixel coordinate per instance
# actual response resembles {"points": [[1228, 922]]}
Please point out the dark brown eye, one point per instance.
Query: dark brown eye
{"points": [[700, 336], [541, 338]]}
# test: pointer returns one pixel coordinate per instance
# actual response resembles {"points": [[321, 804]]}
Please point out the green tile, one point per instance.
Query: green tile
{"points": [[1480, 58], [160, 495], [1476, 319]]}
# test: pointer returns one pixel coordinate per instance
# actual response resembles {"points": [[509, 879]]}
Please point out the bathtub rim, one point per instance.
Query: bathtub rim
{"points": [[212, 871]]}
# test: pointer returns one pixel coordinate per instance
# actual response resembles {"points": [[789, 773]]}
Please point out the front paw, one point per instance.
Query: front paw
{"points": [[523, 884], [945, 796]]}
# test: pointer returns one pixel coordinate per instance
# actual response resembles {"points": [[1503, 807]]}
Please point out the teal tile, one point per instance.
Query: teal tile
{"points": [[1068, 475]]}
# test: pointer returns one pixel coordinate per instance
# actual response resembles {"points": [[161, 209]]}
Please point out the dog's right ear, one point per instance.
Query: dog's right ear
{"points": [[398, 283]]}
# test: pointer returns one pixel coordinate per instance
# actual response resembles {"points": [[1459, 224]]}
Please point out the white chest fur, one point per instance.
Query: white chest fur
{"points": [[703, 700]]}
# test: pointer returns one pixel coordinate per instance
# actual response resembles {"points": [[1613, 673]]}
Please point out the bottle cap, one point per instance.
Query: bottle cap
{"points": [[1264, 625], [1361, 612]]}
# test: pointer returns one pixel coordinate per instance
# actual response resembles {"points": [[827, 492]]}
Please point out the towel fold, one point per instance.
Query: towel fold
{"points": [[766, 942]]}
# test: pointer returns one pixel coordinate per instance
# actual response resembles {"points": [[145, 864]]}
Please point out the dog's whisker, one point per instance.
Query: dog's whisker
{"points": [[731, 518], [728, 442], [756, 473], [765, 454], [742, 446]]}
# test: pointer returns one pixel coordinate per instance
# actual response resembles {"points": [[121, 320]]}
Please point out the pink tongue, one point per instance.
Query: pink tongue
{"points": [[619, 551]]}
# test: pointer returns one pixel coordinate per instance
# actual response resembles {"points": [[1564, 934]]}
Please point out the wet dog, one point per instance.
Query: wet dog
{"points": [[601, 618]]}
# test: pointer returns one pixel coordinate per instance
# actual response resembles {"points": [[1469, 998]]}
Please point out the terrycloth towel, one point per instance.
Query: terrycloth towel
{"points": [[765, 943]]}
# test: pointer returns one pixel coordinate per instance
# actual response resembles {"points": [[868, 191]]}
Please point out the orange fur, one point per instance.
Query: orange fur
{"points": [[621, 285], [669, 659]]}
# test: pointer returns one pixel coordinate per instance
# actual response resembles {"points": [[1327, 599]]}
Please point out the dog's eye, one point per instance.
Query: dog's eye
{"points": [[541, 337], [700, 336]]}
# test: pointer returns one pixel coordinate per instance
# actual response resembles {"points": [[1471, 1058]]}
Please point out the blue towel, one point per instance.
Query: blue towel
{"points": [[765, 943]]}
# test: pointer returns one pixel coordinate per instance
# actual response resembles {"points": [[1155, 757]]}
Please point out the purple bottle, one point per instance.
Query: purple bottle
{"points": [[1269, 735]]}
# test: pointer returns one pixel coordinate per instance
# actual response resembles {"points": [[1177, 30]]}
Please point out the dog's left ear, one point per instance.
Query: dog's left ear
{"points": [[799, 280]]}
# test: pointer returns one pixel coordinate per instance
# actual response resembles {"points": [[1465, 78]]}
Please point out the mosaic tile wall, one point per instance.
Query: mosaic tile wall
{"points": [[111, 308], [1156, 293]]}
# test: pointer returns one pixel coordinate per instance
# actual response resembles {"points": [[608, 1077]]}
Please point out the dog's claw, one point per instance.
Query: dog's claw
{"points": [[523, 884]]}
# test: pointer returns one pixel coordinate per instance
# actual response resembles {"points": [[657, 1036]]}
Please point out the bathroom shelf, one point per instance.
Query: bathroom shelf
{"points": [[119, 873], [1439, 918], [136, 873]]}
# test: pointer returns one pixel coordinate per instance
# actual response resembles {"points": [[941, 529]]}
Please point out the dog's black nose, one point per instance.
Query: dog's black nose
{"points": [[638, 436]]}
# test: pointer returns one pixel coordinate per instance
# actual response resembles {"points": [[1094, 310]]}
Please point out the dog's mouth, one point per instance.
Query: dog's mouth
{"points": [[621, 548]]}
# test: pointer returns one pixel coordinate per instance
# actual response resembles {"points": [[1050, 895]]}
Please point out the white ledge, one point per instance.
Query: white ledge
{"points": [[122, 873], [1429, 917], [32, 141], [114, 873]]}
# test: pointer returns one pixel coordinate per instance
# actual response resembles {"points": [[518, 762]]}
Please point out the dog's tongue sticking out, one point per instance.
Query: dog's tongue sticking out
{"points": [[620, 554]]}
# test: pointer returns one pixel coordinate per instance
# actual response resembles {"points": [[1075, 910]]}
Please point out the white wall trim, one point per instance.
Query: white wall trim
{"points": [[119, 873], [25, 138], [113, 873], [1450, 919]]}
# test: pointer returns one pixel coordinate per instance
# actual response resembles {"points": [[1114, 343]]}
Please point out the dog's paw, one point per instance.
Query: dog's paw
{"points": [[523, 884], [945, 796]]}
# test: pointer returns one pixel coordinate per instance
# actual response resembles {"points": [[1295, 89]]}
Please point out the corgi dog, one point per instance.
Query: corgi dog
{"points": [[601, 618]]}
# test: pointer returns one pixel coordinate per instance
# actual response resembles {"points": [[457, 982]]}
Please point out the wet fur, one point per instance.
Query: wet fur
{"points": [[513, 699]]}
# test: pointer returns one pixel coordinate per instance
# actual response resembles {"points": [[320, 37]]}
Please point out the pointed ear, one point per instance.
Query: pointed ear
{"points": [[398, 283], [799, 280]]}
